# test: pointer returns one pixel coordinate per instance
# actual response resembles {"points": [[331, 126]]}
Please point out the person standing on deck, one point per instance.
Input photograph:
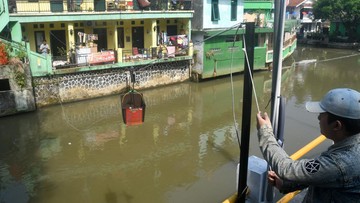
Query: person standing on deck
{"points": [[334, 176], [44, 48]]}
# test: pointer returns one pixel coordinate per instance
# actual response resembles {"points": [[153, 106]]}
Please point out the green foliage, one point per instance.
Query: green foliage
{"points": [[20, 79], [20, 53], [209, 54], [345, 11], [15, 50], [62, 51]]}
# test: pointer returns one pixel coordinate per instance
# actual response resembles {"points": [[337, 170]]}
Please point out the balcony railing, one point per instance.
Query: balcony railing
{"points": [[59, 6]]}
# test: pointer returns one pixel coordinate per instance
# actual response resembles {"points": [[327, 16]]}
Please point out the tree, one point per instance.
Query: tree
{"points": [[345, 11]]}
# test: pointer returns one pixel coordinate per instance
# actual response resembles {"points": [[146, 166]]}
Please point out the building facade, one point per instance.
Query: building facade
{"points": [[93, 44], [218, 36], [303, 10]]}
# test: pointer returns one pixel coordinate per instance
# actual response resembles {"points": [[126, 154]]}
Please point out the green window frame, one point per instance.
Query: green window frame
{"points": [[233, 9], [215, 14]]}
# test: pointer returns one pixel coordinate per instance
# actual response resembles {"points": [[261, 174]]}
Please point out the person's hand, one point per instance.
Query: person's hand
{"points": [[263, 120], [274, 180]]}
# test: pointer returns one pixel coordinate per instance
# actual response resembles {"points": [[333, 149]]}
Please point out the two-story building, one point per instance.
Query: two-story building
{"points": [[217, 52], [123, 27], [302, 10], [94, 43]]}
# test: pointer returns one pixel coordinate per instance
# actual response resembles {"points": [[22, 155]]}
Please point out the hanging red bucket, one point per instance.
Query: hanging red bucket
{"points": [[133, 108]]}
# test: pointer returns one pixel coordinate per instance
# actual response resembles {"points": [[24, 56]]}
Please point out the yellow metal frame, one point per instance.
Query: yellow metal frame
{"points": [[301, 152]]}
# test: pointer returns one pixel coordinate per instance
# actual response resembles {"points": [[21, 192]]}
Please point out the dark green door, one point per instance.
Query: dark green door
{"points": [[99, 5], [58, 44], [138, 37], [56, 6], [102, 38]]}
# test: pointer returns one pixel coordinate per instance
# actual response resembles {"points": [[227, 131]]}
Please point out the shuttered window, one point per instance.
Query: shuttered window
{"points": [[233, 10], [215, 15]]}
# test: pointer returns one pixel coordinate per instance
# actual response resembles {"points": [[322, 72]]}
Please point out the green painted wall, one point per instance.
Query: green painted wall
{"points": [[15, 31], [258, 4], [4, 14], [341, 29], [221, 59]]}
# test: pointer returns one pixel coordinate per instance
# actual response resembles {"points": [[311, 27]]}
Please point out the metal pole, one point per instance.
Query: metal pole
{"points": [[277, 61], [246, 116]]}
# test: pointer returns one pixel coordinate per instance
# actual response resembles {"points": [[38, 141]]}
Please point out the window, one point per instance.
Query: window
{"points": [[171, 30], [215, 15], [233, 10], [39, 38], [4, 85]]}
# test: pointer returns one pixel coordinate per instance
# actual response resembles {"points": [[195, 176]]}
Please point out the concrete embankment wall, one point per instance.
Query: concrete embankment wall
{"points": [[16, 91]]}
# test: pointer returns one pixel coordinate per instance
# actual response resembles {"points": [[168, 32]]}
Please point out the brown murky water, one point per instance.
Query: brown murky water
{"points": [[186, 151]]}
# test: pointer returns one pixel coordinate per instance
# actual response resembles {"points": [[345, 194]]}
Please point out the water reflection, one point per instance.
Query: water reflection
{"points": [[186, 151], [18, 173]]}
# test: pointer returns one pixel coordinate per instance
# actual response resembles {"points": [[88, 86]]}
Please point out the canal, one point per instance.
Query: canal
{"points": [[185, 151]]}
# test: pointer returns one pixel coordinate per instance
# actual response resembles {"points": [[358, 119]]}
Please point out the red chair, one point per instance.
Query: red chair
{"points": [[129, 5], [135, 51], [136, 55]]}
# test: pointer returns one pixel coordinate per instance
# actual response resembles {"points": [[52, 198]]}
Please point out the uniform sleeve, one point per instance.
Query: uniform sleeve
{"points": [[321, 171], [290, 186]]}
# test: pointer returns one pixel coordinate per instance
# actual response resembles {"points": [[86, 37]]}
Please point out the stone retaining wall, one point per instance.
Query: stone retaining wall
{"points": [[85, 85]]}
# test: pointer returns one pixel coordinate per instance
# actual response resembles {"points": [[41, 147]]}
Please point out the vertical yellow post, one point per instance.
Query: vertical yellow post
{"points": [[153, 33], [115, 35], [71, 36]]}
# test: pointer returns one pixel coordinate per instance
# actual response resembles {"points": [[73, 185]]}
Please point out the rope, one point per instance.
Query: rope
{"points": [[326, 60], [132, 92], [251, 76], [232, 88], [70, 124]]}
